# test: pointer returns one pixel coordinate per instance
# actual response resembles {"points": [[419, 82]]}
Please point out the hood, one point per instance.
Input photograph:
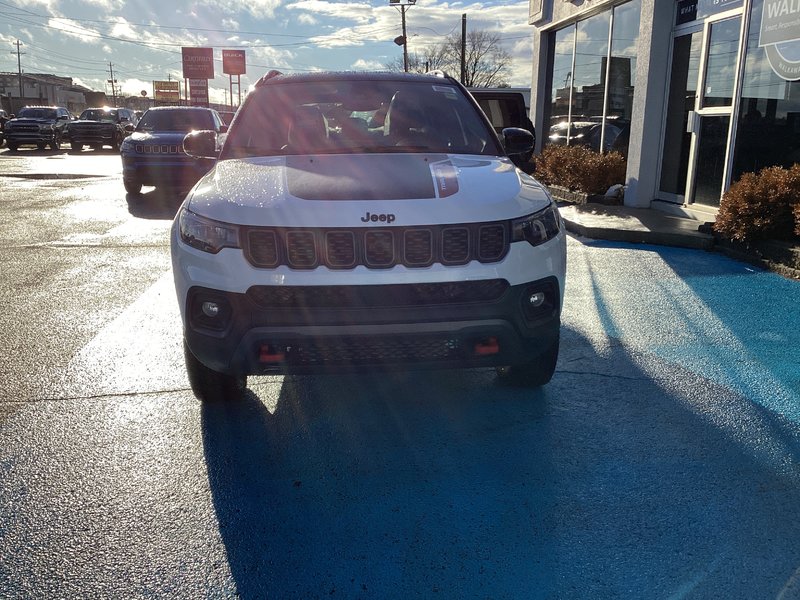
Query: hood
{"points": [[30, 120], [161, 137], [347, 190], [91, 122]]}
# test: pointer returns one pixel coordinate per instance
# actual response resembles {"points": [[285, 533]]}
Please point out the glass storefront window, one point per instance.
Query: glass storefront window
{"points": [[562, 53], [594, 69], [768, 129], [721, 68]]}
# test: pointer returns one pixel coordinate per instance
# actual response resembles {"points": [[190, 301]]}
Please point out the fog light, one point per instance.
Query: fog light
{"points": [[536, 299], [210, 309]]}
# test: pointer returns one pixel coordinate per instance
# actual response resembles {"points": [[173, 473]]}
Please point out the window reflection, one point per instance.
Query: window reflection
{"points": [[768, 130], [594, 68]]}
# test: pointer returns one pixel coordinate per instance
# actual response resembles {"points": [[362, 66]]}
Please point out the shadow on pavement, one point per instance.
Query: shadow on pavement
{"points": [[158, 203], [605, 483]]}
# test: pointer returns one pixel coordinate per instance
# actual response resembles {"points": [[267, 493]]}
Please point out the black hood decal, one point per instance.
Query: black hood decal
{"points": [[362, 177]]}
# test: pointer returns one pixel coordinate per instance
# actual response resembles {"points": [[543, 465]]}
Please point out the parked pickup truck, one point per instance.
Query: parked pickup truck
{"points": [[38, 126], [98, 127]]}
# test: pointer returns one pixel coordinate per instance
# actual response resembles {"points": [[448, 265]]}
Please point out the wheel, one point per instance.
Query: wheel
{"points": [[132, 187], [209, 385], [55, 144], [535, 373], [76, 147]]}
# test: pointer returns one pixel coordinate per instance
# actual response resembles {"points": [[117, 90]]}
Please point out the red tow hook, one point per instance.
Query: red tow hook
{"points": [[268, 354], [487, 347]]}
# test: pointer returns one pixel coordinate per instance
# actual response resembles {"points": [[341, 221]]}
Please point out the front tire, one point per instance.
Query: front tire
{"points": [[535, 373], [132, 187], [209, 385]]}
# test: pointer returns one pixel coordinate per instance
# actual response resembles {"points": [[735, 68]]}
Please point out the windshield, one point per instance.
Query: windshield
{"points": [[357, 116], [37, 113], [98, 114], [178, 120]]}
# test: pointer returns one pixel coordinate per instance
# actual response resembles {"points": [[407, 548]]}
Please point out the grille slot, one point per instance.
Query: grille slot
{"points": [[377, 296], [373, 351], [376, 248]]}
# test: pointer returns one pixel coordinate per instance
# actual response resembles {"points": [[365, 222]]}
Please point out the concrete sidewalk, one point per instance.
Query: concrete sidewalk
{"points": [[639, 225], [651, 226]]}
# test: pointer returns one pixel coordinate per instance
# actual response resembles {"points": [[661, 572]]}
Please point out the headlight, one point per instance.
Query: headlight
{"points": [[205, 234], [537, 228]]}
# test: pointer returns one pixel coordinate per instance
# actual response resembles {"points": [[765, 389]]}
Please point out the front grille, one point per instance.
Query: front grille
{"points": [[378, 296], [378, 248], [159, 148], [373, 351]]}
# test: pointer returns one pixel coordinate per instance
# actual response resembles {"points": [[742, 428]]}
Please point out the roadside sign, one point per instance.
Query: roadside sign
{"points": [[167, 91], [233, 62], [198, 63], [198, 92]]}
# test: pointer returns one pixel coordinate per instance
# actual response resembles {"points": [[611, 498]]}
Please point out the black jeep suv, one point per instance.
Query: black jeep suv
{"points": [[38, 126]]}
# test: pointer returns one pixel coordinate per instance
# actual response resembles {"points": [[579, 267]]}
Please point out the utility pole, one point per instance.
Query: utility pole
{"points": [[19, 70], [403, 39], [113, 82], [463, 49]]}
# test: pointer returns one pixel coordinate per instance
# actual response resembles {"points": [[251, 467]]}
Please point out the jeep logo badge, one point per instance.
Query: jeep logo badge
{"points": [[383, 218]]}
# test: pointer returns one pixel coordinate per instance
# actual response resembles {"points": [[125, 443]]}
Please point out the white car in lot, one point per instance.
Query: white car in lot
{"points": [[363, 221]]}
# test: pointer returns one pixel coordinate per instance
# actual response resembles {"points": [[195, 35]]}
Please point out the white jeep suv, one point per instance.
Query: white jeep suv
{"points": [[362, 221]]}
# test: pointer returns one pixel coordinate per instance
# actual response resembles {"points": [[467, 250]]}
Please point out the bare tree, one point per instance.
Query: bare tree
{"points": [[487, 63]]}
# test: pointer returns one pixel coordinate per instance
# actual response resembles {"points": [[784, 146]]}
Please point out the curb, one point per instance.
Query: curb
{"points": [[696, 241], [774, 257]]}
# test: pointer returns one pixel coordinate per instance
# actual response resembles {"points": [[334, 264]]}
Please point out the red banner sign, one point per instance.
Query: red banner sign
{"points": [[198, 92], [233, 62], [198, 63]]}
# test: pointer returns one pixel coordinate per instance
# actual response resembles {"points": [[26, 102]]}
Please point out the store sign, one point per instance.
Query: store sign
{"points": [[233, 62], [198, 92], [167, 91], [691, 10], [198, 63], [780, 37]]}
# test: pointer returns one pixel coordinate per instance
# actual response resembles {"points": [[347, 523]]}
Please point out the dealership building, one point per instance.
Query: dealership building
{"points": [[694, 92]]}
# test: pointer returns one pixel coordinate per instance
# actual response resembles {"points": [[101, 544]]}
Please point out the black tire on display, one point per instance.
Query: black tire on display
{"points": [[132, 187], [209, 385], [532, 374]]}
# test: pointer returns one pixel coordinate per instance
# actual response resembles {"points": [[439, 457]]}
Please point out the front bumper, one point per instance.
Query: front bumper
{"points": [[167, 170], [29, 137], [278, 329]]}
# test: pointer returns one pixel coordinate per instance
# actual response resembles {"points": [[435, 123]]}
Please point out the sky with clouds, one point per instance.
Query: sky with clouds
{"points": [[142, 39]]}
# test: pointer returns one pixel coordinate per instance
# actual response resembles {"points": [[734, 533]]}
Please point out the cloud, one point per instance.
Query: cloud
{"points": [[367, 65], [260, 9]]}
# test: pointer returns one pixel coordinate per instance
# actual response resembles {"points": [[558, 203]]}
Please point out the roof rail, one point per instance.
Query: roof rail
{"points": [[272, 74]]}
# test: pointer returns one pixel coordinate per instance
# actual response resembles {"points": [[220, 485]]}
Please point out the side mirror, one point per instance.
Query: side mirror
{"points": [[517, 141], [201, 144], [223, 129]]}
